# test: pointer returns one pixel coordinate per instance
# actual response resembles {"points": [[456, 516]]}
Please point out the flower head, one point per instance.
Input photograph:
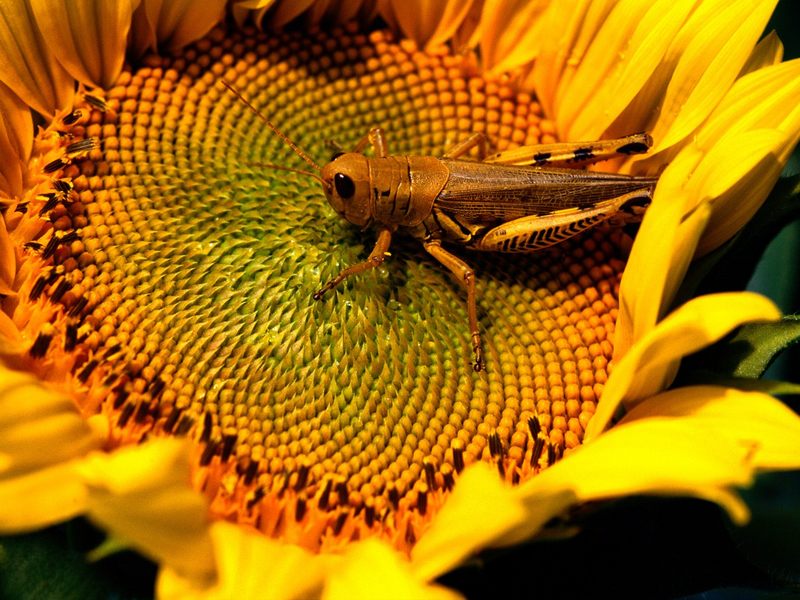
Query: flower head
{"points": [[158, 275]]}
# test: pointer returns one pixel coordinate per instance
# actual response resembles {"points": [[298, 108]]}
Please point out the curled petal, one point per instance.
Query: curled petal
{"points": [[285, 12], [340, 11], [372, 569], [254, 9], [670, 457], [766, 428], [41, 498], [710, 189], [41, 438], [762, 156], [16, 141], [744, 145], [143, 495], [650, 364], [172, 24], [251, 566], [427, 23], [8, 258], [90, 36], [38, 428], [511, 32], [652, 275], [27, 62], [255, 4], [769, 51], [484, 502]]}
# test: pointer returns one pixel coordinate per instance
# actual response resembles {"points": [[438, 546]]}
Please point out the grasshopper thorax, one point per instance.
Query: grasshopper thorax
{"points": [[346, 182]]}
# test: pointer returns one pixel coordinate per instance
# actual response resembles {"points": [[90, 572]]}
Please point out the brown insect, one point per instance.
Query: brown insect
{"points": [[519, 200]]}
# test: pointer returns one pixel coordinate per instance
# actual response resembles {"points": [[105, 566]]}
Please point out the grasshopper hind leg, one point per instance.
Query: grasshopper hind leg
{"points": [[466, 275]]}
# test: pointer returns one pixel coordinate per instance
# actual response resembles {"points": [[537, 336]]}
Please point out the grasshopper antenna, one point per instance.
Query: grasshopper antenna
{"points": [[275, 130], [265, 165]]}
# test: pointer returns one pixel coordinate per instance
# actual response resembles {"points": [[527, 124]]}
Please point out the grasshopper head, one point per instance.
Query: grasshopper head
{"points": [[346, 184]]}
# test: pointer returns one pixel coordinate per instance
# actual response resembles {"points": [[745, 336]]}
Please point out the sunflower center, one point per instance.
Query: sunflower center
{"points": [[180, 268]]}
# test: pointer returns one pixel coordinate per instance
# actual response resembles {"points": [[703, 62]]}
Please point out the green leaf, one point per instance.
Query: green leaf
{"points": [[745, 354], [766, 386], [52, 564]]}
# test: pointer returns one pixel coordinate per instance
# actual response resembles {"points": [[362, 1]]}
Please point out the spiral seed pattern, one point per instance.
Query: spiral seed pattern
{"points": [[179, 269]]}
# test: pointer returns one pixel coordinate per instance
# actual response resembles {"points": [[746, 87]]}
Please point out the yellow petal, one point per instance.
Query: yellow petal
{"points": [[38, 428], [255, 4], [762, 156], [41, 498], [143, 495], [341, 11], [11, 340], [718, 43], [372, 570], [769, 51], [764, 427], [469, 33], [90, 36], [571, 26], [734, 177], [427, 22], [8, 255], [453, 17], [251, 566], [479, 510], [619, 63], [141, 37], [672, 457], [737, 155], [761, 99], [287, 11], [174, 23], [16, 142], [528, 518], [27, 62], [652, 275], [650, 364], [511, 32], [41, 439]]}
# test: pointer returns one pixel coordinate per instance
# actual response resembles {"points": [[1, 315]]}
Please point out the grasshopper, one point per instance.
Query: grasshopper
{"points": [[519, 200]]}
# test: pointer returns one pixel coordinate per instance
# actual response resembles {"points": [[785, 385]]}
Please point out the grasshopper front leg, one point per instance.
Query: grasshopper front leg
{"points": [[376, 258], [466, 275]]}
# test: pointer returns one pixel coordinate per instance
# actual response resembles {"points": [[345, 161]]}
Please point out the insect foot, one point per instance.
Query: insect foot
{"points": [[476, 347]]}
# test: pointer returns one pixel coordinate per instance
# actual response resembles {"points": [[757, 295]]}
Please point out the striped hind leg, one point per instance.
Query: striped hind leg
{"points": [[536, 232], [573, 154]]}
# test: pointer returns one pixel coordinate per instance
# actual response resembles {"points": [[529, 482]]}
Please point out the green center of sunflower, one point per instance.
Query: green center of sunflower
{"points": [[181, 269]]}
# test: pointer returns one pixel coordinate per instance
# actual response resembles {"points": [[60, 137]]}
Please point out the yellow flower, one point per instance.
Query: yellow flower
{"points": [[156, 284]]}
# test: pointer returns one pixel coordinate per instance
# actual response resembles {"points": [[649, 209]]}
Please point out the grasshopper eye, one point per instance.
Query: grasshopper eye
{"points": [[344, 185]]}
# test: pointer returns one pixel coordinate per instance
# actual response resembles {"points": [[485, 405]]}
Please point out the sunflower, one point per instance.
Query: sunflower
{"points": [[167, 374]]}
